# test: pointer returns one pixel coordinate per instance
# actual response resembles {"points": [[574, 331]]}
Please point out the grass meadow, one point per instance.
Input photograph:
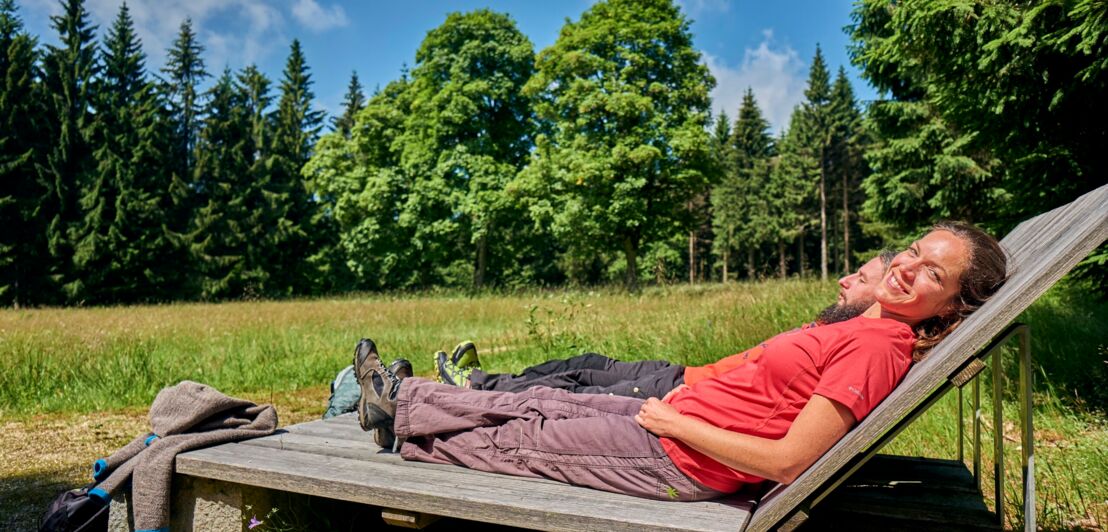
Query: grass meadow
{"points": [[75, 381]]}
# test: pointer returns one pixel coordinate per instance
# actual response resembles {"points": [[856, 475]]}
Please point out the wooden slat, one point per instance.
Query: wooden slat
{"points": [[455, 492], [1042, 250]]}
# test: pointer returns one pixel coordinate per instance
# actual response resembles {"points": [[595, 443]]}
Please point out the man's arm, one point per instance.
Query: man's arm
{"points": [[820, 424]]}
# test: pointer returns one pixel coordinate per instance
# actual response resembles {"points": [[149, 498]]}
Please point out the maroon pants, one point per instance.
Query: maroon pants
{"points": [[585, 440]]}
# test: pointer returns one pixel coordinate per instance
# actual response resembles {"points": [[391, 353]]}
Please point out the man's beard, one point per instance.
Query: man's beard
{"points": [[841, 312]]}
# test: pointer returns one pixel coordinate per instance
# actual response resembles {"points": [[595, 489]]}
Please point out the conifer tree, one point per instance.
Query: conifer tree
{"points": [[122, 252], [353, 102], [184, 71], [722, 218], [70, 76], [739, 201], [228, 236], [792, 207], [816, 136], [845, 159], [298, 227], [23, 253]]}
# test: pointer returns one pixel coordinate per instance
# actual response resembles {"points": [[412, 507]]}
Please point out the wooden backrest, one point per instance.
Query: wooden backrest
{"points": [[1041, 251]]}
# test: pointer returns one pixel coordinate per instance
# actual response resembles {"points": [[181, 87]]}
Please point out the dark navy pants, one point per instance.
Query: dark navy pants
{"points": [[589, 373]]}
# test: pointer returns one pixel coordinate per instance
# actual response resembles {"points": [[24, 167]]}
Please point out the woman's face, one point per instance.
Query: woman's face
{"points": [[923, 280]]}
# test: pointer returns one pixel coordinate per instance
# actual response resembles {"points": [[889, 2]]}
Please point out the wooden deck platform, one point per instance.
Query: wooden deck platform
{"points": [[337, 460]]}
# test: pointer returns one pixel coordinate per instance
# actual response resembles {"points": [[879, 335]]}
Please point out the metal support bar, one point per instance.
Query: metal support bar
{"points": [[998, 438], [961, 428], [977, 432], [1027, 435], [1027, 386]]}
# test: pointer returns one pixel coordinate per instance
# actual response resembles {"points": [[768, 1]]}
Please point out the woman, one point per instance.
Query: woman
{"points": [[766, 419]]}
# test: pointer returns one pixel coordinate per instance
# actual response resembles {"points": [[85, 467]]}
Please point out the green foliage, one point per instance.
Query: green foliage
{"points": [[623, 101], [184, 71], [23, 140], [122, 252], [740, 202], [352, 102], [69, 78], [997, 109], [419, 188], [227, 235], [299, 233]]}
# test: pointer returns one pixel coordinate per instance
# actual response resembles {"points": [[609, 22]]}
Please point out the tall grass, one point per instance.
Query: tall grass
{"points": [[86, 360]]}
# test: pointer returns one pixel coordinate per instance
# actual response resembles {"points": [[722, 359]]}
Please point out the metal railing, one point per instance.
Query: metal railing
{"points": [[1027, 438]]}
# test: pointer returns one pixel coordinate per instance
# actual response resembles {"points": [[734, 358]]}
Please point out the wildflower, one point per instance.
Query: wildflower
{"points": [[254, 522]]}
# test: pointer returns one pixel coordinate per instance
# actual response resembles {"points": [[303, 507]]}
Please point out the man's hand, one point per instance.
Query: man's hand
{"points": [[674, 392], [660, 418]]}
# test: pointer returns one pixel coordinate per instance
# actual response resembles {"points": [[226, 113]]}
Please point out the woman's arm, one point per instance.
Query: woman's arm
{"points": [[820, 424]]}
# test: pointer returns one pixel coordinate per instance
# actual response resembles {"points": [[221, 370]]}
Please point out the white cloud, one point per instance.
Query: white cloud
{"points": [[776, 74], [233, 32], [318, 18]]}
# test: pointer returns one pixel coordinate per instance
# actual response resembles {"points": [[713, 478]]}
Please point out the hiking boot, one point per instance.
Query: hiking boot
{"points": [[465, 356], [450, 373], [379, 385]]}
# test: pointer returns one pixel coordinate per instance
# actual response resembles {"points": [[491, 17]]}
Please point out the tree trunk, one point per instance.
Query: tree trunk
{"points": [[630, 252], [801, 267], [783, 269], [846, 227], [726, 256], [822, 216], [692, 257], [482, 261], [750, 262]]}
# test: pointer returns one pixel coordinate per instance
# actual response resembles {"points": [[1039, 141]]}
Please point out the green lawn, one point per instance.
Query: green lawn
{"points": [[75, 363]]}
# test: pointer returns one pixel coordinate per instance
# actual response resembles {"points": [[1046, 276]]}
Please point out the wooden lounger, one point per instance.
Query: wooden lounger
{"points": [[335, 459]]}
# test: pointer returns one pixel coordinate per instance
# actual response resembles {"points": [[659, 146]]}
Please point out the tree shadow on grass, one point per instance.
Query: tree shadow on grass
{"points": [[24, 497]]}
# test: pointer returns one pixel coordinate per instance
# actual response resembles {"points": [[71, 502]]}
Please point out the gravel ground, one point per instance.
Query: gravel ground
{"points": [[43, 455]]}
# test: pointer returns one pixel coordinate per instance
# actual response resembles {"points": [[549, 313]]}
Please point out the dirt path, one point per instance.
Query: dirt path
{"points": [[45, 454]]}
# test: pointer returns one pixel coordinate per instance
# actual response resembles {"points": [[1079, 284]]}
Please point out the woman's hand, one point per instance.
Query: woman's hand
{"points": [[660, 418], [674, 392]]}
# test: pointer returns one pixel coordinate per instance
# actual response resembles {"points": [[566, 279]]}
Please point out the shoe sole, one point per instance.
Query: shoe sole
{"points": [[440, 373]]}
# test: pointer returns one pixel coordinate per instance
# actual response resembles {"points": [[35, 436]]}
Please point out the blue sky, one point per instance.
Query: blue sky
{"points": [[765, 45]]}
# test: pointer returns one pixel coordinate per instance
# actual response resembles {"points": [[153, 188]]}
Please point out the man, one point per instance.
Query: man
{"points": [[594, 373]]}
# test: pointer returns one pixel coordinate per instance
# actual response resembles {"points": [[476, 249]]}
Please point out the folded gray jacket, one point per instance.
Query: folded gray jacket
{"points": [[187, 416]]}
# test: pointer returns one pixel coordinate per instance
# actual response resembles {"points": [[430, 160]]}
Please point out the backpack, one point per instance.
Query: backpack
{"points": [[76, 511]]}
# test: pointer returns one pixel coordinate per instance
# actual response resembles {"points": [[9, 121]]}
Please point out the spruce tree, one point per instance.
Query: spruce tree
{"points": [[845, 158], [70, 76], [184, 71], [353, 102], [739, 201], [722, 217], [816, 139], [298, 227], [123, 253], [228, 235], [23, 253]]}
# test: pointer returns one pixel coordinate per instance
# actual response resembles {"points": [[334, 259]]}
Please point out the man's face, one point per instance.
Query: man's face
{"points": [[855, 293], [857, 288]]}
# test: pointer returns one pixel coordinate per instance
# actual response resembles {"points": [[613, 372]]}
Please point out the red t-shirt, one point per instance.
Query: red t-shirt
{"points": [[856, 363], [695, 374]]}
